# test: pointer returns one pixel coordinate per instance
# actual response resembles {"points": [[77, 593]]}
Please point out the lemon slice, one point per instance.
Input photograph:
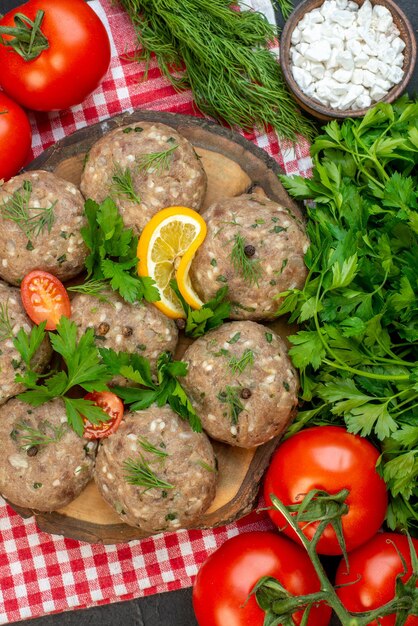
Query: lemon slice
{"points": [[166, 249]]}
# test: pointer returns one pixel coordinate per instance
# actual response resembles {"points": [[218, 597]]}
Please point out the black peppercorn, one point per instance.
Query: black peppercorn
{"points": [[103, 329], [249, 250], [32, 451], [127, 331], [245, 393], [180, 323]]}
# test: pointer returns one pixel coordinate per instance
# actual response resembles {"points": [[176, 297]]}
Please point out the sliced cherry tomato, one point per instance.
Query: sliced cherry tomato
{"points": [[15, 137], [371, 579], [113, 406], [331, 459], [44, 298], [224, 582]]}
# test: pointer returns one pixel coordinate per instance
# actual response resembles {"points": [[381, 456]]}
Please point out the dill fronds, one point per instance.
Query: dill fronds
{"points": [[148, 447], [28, 436], [249, 268], [122, 183], [156, 161], [139, 473], [6, 329], [17, 209], [222, 55], [237, 366], [285, 7], [230, 396], [92, 287]]}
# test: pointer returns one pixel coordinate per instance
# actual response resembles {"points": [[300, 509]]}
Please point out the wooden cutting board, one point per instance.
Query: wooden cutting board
{"points": [[233, 166]]}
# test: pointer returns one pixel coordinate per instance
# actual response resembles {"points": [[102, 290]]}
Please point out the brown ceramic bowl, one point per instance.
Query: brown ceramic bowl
{"points": [[316, 108]]}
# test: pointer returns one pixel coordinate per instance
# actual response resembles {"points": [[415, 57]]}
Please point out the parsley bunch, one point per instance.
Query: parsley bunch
{"points": [[166, 390], [358, 349], [113, 253], [83, 368]]}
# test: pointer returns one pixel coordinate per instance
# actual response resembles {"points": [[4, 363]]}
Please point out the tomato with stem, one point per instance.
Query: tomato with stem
{"points": [[370, 581], [331, 459], [53, 53], [221, 592]]}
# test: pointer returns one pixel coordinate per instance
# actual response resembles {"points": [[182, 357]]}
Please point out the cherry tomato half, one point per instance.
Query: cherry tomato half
{"points": [[15, 137], [113, 406], [72, 64], [225, 580], [44, 298], [331, 459], [370, 583]]}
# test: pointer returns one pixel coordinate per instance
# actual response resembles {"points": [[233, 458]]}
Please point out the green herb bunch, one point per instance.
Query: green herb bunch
{"points": [[358, 349], [222, 55], [112, 259]]}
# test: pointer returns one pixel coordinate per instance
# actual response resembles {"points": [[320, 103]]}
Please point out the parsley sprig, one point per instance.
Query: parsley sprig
{"points": [[113, 253], [83, 368], [165, 390], [358, 348], [210, 316]]}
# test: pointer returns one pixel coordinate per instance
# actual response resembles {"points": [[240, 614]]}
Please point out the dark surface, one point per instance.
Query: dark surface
{"points": [[175, 608]]}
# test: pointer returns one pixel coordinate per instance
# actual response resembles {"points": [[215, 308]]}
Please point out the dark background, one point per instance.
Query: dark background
{"points": [[174, 608]]}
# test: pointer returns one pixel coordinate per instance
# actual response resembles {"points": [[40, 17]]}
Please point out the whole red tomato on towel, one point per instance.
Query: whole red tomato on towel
{"points": [[15, 137], [60, 53]]}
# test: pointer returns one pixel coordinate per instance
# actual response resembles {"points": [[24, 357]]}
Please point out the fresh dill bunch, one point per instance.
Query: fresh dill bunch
{"points": [[222, 55], [285, 7], [237, 366], [92, 287], [27, 436], [6, 329], [147, 446], [249, 268], [230, 396], [17, 209], [156, 161], [139, 473], [122, 183]]}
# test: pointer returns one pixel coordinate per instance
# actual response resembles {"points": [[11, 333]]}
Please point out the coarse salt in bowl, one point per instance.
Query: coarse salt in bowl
{"points": [[340, 57]]}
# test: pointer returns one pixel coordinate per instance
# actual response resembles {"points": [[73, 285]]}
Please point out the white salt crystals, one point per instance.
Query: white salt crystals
{"points": [[345, 56]]}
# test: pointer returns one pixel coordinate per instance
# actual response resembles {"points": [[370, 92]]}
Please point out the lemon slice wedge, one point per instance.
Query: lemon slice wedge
{"points": [[166, 249]]}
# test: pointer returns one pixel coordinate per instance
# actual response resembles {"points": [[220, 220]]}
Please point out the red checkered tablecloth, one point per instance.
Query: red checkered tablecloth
{"points": [[41, 573]]}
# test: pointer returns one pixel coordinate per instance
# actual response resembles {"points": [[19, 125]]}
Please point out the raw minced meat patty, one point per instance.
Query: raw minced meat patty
{"points": [[175, 178], [256, 248], [13, 318], [49, 475], [48, 236], [126, 327], [182, 461], [241, 383]]}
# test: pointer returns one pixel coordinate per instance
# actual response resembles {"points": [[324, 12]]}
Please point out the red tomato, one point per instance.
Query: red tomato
{"points": [[373, 570], [225, 580], [113, 406], [15, 137], [44, 298], [69, 69], [329, 458]]}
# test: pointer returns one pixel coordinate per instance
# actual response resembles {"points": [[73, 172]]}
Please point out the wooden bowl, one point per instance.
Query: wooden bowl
{"points": [[233, 166], [316, 108]]}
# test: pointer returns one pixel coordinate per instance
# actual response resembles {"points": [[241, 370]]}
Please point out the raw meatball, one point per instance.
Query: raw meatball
{"points": [[48, 238], [241, 383], [48, 475], [125, 327], [256, 247], [157, 441], [175, 179], [12, 319]]}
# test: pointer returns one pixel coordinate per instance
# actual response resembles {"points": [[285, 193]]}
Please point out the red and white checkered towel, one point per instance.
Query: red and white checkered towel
{"points": [[41, 573]]}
